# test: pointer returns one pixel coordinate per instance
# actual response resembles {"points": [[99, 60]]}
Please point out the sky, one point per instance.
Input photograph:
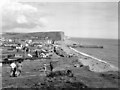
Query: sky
{"points": [[76, 19]]}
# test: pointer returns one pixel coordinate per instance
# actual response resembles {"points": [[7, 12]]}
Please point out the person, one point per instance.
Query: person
{"points": [[36, 53], [13, 69], [51, 66], [19, 68], [45, 69], [48, 69]]}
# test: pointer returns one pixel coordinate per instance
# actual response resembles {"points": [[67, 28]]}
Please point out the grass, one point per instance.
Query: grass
{"points": [[32, 76]]}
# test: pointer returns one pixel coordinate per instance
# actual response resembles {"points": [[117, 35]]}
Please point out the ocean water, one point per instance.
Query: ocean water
{"points": [[109, 53]]}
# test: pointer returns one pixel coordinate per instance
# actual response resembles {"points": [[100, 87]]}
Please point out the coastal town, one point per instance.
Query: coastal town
{"points": [[27, 48], [48, 60], [59, 45]]}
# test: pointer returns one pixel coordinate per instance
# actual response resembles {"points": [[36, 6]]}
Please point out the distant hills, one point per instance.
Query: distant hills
{"points": [[58, 35]]}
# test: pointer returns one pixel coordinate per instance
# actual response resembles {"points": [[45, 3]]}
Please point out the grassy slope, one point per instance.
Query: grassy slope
{"points": [[81, 75]]}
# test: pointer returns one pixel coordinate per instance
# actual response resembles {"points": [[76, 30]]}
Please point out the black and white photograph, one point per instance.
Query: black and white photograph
{"points": [[59, 45]]}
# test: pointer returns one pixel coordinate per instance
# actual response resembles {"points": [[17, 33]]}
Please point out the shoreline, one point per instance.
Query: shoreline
{"points": [[110, 67]]}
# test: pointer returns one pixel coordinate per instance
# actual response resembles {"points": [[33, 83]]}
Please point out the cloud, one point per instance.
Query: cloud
{"points": [[18, 15], [21, 19]]}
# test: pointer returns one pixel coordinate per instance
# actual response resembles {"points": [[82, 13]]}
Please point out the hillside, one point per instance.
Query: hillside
{"points": [[40, 35]]}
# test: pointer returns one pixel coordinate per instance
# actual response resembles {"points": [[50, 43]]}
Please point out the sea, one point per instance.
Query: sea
{"points": [[108, 53]]}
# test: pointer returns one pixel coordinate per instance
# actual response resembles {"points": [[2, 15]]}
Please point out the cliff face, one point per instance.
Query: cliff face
{"points": [[37, 35]]}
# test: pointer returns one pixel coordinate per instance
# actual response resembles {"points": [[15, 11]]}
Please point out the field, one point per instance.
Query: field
{"points": [[33, 77], [109, 53]]}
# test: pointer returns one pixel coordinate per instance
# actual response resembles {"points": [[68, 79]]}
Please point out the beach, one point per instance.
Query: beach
{"points": [[95, 64], [108, 53]]}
